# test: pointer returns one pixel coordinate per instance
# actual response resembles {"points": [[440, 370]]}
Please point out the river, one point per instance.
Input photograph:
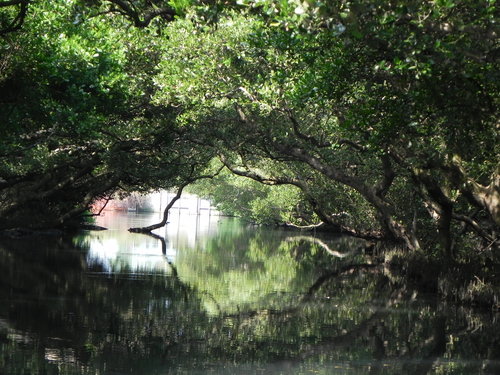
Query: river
{"points": [[216, 296]]}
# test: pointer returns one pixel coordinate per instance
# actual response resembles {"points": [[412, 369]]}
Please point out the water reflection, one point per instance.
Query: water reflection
{"points": [[116, 247], [223, 299]]}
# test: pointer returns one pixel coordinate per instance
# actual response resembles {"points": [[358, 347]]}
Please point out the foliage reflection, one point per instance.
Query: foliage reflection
{"points": [[243, 300]]}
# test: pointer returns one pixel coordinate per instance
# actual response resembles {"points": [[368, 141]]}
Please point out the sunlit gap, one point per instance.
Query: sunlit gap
{"points": [[117, 250]]}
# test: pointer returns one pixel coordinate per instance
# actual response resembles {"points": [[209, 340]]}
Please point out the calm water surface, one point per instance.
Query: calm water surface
{"points": [[213, 296]]}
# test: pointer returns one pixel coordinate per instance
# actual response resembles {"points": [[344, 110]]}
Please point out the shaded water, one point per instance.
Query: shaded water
{"points": [[223, 298]]}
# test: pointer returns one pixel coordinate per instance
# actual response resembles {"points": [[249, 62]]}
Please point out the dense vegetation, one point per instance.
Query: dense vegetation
{"points": [[374, 118]]}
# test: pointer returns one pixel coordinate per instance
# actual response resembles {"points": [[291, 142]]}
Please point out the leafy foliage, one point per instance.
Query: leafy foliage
{"points": [[77, 119], [377, 118]]}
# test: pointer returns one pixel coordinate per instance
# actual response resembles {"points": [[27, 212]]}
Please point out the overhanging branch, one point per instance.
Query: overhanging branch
{"points": [[129, 10], [177, 196], [18, 20]]}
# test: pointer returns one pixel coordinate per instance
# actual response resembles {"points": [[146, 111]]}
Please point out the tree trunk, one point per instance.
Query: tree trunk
{"points": [[441, 204], [444, 230], [371, 194]]}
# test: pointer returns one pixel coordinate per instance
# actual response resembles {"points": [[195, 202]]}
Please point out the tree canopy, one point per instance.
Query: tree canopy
{"points": [[374, 118]]}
